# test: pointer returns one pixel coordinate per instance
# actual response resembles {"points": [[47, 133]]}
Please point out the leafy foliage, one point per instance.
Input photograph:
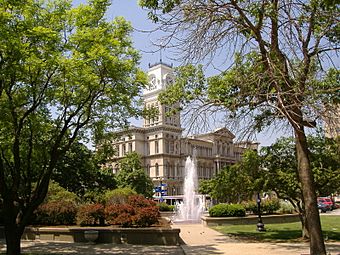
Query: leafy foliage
{"points": [[280, 167], [67, 74], [268, 206], [120, 214], [131, 174], [283, 63], [118, 196], [235, 183], [138, 212], [58, 193], [56, 213], [164, 207], [90, 215], [79, 171], [227, 210]]}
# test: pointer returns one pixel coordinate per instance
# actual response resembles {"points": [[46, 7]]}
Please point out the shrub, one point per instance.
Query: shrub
{"points": [[93, 196], [56, 213], [118, 196], [270, 205], [90, 214], [139, 201], [120, 214], [58, 193], [146, 216], [227, 210], [164, 207], [286, 207], [137, 212], [250, 206]]}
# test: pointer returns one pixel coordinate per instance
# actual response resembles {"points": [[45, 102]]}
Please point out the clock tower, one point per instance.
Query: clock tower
{"points": [[160, 76]]}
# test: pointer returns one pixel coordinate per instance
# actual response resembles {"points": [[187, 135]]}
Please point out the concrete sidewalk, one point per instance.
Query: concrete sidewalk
{"points": [[65, 248], [197, 240], [203, 240]]}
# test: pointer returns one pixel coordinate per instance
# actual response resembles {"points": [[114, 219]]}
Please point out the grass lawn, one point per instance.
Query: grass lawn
{"points": [[290, 232]]}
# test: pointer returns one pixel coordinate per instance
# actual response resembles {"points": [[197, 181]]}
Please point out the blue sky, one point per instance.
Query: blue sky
{"points": [[143, 39]]}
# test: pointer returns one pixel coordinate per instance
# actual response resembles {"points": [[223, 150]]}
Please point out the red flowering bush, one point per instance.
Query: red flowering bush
{"points": [[140, 201], [56, 213], [120, 214], [90, 214], [138, 212], [146, 216]]}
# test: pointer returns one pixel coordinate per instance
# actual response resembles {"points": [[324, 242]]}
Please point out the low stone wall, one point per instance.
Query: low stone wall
{"points": [[156, 236], [266, 219]]}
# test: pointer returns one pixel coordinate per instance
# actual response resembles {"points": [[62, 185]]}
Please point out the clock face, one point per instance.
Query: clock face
{"points": [[152, 82], [170, 79]]}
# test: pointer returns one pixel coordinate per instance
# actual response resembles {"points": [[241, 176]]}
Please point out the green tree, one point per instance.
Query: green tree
{"points": [[132, 174], [277, 75], [79, 171], [274, 169], [280, 170], [236, 183], [65, 74]]}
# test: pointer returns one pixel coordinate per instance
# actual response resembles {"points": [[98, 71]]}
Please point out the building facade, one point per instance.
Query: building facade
{"points": [[163, 148], [332, 122]]}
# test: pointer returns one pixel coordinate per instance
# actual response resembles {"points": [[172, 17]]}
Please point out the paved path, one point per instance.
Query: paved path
{"points": [[65, 248], [198, 240], [203, 240]]}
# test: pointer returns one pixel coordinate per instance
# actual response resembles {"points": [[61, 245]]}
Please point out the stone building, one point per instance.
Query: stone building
{"points": [[164, 149], [332, 122]]}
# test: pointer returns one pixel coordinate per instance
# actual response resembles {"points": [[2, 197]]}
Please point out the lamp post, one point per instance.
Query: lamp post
{"points": [[260, 225]]}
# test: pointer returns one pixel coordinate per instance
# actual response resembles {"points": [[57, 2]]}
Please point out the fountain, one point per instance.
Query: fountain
{"points": [[192, 206]]}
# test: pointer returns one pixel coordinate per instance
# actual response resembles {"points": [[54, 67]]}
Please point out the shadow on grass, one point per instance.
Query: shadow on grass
{"points": [[269, 235], [280, 235]]}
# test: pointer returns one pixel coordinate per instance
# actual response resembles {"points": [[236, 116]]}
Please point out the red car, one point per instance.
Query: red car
{"points": [[326, 201]]}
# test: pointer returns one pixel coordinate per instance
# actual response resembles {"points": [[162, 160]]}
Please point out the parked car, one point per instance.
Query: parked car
{"points": [[327, 201], [324, 207]]}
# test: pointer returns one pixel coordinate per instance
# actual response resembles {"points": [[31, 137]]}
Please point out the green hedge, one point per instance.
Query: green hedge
{"points": [[268, 206], [164, 207], [227, 210]]}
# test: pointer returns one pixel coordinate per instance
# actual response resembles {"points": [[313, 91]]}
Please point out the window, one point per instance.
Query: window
{"points": [[167, 170], [171, 147], [156, 147], [148, 170], [123, 150], [167, 148], [148, 148], [157, 170], [130, 147]]}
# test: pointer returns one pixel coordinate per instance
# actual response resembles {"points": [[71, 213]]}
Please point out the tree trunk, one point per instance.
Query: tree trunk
{"points": [[317, 245], [305, 230], [13, 236]]}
